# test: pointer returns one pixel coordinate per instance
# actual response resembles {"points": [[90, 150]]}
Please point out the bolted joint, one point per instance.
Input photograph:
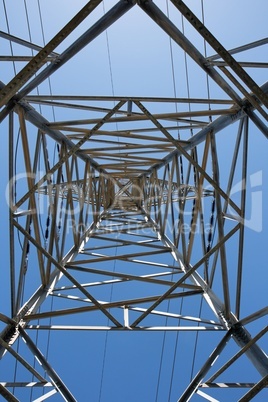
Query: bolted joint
{"points": [[240, 333], [9, 336], [140, 2]]}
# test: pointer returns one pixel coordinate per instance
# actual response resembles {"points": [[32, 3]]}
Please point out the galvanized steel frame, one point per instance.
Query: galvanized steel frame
{"points": [[124, 189]]}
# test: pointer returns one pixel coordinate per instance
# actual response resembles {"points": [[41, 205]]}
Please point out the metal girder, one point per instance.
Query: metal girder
{"points": [[112, 15], [56, 380], [242, 48], [136, 217], [34, 65], [23, 42], [223, 53], [163, 21]]}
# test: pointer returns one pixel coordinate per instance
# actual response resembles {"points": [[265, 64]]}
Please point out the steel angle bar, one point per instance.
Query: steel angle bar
{"points": [[250, 98], [163, 297], [205, 396], [64, 272], [129, 147], [36, 119], [258, 122], [22, 361], [228, 190], [143, 243], [237, 355], [31, 68], [147, 277], [177, 316], [56, 380], [72, 105], [197, 211], [194, 384], [109, 282], [104, 258], [218, 47], [7, 394], [240, 49], [182, 150], [124, 158], [124, 328], [222, 250], [239, 333], [11, 203], [6, 319], [216, 126], [128, 98], [163, 21], [31, 384], [109, 305], [189, 271], [247, 64], [41, 123], [255, 390], [242, 229], [254, 316], [227, 385], [122, 134], [32, 200], [139, 117], [70, 200], [23, 42], [45, 396], [100, 26], [216, 248], [125, 277], [188, 123], [22, 58]]}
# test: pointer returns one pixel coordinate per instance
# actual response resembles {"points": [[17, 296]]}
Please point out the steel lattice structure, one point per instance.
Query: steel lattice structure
{"points": [[125, 209]]}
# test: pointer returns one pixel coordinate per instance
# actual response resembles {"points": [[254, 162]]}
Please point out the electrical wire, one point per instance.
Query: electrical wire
{"points": [[110, 70], [175, 355], [182, 181], [194, 201], [205, 53], [40, 109], [106, 334], [114, 265], [44, 41], [210, 233], [8, 30], [45, 234], [196, 342], [186, 71], [48, 214], [18, 136]]}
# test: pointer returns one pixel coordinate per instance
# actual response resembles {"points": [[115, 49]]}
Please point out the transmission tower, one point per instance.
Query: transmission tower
{"points": [[134, 216]]}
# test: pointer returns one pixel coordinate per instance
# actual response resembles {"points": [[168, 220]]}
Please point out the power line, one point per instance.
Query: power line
{"points": [[8, 30]]}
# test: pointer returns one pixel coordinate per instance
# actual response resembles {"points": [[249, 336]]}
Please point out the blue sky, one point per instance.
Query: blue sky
{"points": [[134, 59]]}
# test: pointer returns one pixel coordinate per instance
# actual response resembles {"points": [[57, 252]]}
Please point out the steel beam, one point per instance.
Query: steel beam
{"points": [[193, 386], [255, 390], [56, 380], [34, 65], [216, 126], [164, 22], [24, 43], [100, 26], [239, 332], [217, 46], [240, 49]]}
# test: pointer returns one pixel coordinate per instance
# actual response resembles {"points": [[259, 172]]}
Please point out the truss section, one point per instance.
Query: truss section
{"points": [[129, 214]]}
